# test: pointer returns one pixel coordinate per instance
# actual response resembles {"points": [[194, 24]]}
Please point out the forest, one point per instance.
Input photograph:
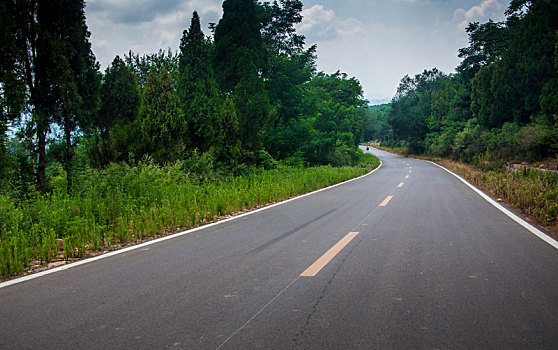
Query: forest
{"points": [[157, 142], [500, 106], [246, 96]]}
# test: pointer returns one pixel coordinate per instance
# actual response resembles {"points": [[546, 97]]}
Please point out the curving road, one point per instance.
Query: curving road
{"points": [[406, 257]]}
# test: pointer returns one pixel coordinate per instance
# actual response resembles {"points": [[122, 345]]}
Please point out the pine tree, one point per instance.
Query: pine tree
{"points": [[252, 105], [120, 102], [161, 120], [49, 57], [76, 82], [237, 37], [239, 61], [198, 89]]}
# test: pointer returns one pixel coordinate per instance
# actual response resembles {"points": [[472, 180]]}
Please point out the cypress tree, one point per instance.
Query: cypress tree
{"points": [[239, 61], [197, 88], [161, 120], [75, 80], [120, 102], [237, 37], [252, 105], [48, 56]]}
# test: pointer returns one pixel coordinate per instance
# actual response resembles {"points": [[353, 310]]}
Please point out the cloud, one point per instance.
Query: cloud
{"points": [[131, 11], [319, 23], [419, 1], [315, 17], [143, 26], [479, 13]]}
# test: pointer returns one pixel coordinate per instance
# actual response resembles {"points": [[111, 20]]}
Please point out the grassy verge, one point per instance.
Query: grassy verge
{"points": [[531, 191], [123, 204]]}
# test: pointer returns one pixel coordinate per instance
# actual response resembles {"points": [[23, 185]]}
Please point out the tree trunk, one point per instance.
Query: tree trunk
{"points": [[68, 155], [42, 129]]}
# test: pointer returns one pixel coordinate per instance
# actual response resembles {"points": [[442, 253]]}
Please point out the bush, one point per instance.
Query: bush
{"points": [[539, 141], [468, 142], [265, 160]]}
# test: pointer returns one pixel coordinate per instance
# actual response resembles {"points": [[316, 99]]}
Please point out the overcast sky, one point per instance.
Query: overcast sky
{"points": [[376, 41]]}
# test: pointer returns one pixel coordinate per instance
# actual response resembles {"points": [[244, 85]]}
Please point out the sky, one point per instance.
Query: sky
{"points": [[375, 41]]}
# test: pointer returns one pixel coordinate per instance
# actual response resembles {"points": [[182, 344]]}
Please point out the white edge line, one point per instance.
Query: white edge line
{"points": [[513, 216], [175, 235]]}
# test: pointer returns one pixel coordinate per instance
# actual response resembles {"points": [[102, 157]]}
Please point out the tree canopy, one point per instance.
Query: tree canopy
{"points": [[501, 103], [246, 97]]}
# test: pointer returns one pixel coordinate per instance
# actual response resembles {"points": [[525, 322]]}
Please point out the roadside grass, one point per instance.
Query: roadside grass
{"points": [[531, 191], [124, 204]]}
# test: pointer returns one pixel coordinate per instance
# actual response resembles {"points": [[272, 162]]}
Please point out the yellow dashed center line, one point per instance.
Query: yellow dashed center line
{"points": [[386, 201], [407, 176], [328, 256], [400, 185]]}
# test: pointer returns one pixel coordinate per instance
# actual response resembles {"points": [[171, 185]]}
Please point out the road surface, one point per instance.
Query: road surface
{"points": [[407, 257]]}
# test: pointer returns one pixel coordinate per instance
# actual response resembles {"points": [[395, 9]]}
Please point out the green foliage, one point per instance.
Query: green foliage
{"points": [[252, 104], [88, 166], [375, 125], [539, 141], [238, 43], [12, 86], [336, 111], [125, 203], [502, 104], [48, 70], [120, 98], [417, 106], [161, 119], [549, 102], [278, 27], [198, 91], [142, 66], [487, 44]]}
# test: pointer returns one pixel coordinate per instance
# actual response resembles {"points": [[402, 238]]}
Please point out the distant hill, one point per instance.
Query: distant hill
{"points": [[379, 101]]}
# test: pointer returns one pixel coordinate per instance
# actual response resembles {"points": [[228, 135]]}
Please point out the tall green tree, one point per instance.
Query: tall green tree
{"points": [[48, 58], [336, 108], [414, 107], [239, 61], [12, 87], [528, 64], [487, 44], [120, 105], [76, 83], [289, 64], [161, 120], [198, 90], [289, 68], [23, 68], [278, 26], [252, 104], [238, 43]]}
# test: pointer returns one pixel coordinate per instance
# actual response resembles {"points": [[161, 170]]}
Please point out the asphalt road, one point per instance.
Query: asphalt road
{"points": [[415, 259]]}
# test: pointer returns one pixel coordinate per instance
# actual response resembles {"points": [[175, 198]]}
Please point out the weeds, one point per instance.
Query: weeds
{"points": [[124, 204], [533, 191]]}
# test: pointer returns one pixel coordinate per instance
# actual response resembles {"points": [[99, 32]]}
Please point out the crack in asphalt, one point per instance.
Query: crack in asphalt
{"points": [[296, 340]]}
